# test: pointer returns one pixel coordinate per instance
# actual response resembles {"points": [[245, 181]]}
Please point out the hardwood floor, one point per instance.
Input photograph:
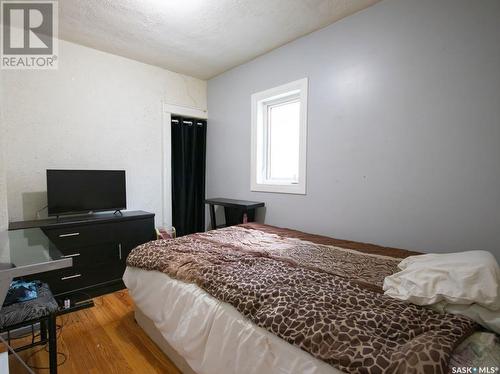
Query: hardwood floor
{"points": [[103, 339]]}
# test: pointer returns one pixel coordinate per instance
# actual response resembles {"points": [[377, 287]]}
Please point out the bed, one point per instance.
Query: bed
{"points": [[258, 299]]}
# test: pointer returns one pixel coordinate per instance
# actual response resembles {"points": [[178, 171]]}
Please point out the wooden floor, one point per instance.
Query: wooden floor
{"points": [[103, 339]]}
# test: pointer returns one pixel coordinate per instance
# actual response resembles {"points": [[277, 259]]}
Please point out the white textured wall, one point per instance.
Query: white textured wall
{"points": [[97, 111], [3, 196], [403, 126], [3, 182]]}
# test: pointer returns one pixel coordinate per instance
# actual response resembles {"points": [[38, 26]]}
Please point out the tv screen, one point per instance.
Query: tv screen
{"points": [[77, 191]]}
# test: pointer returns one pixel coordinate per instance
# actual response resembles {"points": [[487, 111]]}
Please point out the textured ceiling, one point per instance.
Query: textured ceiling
{"points": [[201, 38]]}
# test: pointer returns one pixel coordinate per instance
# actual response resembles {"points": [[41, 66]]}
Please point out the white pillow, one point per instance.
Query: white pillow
{"points": [[485, 317], [458, 278]]}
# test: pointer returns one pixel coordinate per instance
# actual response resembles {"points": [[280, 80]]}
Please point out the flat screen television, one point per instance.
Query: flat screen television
{"points": [[83, 191]]}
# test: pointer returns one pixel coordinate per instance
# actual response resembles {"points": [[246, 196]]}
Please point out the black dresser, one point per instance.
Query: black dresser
{"points": [[98, 245]]}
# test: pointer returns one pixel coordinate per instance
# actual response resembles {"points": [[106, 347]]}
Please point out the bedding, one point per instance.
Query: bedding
{"points": [[489, 319], [465, 283], [212, 336], [321, 295], [464, 278], [480, 350]]}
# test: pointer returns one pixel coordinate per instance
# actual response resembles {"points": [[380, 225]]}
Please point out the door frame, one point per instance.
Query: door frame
{"points": [[168, 111]]}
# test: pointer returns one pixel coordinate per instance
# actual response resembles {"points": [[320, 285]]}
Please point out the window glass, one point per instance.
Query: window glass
{"points": [[283, 141]]}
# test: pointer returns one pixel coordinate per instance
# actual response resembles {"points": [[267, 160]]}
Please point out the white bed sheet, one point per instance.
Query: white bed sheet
{"points": [[212, 336]]}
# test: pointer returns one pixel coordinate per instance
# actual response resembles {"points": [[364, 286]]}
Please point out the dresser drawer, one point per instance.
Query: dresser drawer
{"points": [[81, 236], [78, 277], [95, 254]]}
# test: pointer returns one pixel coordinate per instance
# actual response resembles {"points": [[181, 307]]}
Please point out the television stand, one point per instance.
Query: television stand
{"points": [[118, 213], [89, 214]]}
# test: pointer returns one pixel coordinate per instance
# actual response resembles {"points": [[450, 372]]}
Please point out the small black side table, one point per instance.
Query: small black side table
{"points": [[234, 211]]}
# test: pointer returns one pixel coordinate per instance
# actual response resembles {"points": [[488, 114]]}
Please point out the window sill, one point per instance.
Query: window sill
{"points": [[295, 189]]}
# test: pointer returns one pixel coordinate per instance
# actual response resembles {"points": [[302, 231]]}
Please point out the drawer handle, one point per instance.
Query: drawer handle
{"points": [[69, 235], [73, 255], [71, 277]]}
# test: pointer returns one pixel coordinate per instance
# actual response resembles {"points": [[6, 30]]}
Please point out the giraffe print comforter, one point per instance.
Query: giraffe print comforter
{"points": [[321, 294]]}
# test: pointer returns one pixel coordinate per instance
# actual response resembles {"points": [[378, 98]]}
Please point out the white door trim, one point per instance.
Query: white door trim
{"points": [[186, 111], [166, 171]]}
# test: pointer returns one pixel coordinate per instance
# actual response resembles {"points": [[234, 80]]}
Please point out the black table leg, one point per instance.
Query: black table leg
{"points": [[52, 344], [212, 217], [43, 330], [251, 215]]}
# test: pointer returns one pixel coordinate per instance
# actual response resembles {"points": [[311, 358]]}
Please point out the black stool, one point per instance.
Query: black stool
{"points": [[27, 313]]}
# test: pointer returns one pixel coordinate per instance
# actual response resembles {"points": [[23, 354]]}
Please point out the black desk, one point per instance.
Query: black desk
{"points": [[234, 211]]}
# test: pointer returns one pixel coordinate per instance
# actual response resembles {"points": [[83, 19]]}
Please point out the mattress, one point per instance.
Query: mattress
{"points": [[212, 336]]}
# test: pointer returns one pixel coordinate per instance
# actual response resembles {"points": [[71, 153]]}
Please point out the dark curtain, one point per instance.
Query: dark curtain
{"points": [[189, 137]]}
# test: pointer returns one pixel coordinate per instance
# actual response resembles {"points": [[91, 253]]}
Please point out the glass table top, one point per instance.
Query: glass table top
{"points": [[24, 252], [26, 247]]}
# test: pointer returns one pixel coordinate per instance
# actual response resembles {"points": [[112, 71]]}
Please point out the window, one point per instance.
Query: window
{"points": [[279, 129]]}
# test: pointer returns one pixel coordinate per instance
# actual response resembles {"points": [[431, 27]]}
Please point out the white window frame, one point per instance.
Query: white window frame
{"points": [[296, 90]]}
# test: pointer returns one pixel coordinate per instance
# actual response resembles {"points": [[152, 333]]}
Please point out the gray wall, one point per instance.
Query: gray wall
{"points": [[404, 126]]}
